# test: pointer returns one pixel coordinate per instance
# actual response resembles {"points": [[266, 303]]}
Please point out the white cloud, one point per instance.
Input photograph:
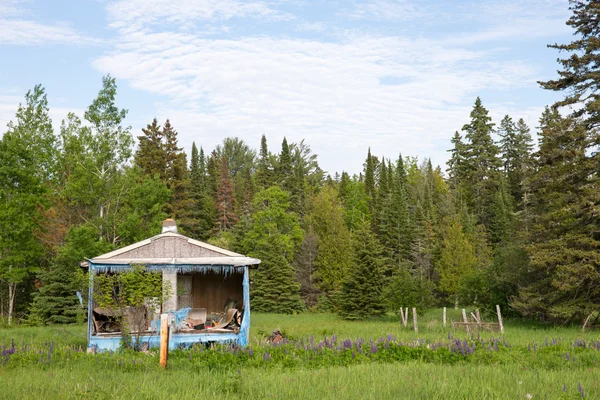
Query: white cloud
{"points": [[329, 93], [9, 103], [15, 30], [24, 32], [383, 10], [131, 15]]}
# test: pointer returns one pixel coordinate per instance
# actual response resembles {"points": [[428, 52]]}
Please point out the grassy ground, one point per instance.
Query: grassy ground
{"points": [[529, 362]]}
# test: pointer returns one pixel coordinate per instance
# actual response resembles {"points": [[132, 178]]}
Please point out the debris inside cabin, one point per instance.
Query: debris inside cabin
{"points": [[184, 320], [276, 337]]}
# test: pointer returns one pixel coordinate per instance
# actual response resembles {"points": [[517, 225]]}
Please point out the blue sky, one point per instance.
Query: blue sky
{"points": [[395, 75]]}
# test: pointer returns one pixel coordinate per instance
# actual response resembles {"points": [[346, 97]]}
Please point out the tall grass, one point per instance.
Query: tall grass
{"points": [[529, 361]]}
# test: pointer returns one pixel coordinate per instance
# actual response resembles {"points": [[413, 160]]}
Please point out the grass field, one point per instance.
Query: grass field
{"points": [[381, 360]]}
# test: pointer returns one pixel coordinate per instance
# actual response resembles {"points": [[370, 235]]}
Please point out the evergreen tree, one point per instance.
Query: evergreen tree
{"points": [[150, 156], [456, 163], [284, 169], [226, 216], [204, 207], [264, 172], [482, 163], [304, 264], [56, 300], [177, 180], [580, 76], [335, 251], [562, 282], [515, 144], [356, 204], [370, 179], [361, 294], [274, 239], [457, 259], [343, 186]]}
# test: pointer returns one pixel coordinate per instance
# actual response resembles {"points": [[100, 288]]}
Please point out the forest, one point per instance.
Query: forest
{"points": [[512, 219]]}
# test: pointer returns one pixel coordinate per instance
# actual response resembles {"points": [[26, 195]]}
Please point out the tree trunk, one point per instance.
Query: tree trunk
{"points": [[12, 286]]}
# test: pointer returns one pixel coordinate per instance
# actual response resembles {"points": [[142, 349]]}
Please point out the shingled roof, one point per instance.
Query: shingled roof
{"points": [[173, 248]]}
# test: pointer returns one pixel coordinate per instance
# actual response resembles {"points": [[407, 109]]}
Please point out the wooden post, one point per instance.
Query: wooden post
{"points": [[415, 319], [478, 315], [464, 315], [500, 319], [406, 317], [444, 318], [164, 339]]}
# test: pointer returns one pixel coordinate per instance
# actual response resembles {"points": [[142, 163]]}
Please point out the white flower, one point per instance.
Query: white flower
{"points": [[528, 396]]}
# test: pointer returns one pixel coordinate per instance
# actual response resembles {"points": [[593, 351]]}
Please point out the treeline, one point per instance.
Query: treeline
{"points": [[504, 224]]}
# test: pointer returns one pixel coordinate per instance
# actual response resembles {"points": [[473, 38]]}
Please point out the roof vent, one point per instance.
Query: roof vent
{"points": [[169, 225]]}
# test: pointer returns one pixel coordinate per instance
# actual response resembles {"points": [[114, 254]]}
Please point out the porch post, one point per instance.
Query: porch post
{"points": [[245, 328], [90, 301], [170, 278]]}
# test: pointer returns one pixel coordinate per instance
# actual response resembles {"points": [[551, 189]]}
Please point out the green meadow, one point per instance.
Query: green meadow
{"points": [[323, 357]]}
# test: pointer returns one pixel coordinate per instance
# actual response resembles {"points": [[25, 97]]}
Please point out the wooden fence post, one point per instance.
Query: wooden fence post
{"points": [[164, 339], [500, 319], [406, 317], [444, 318], [415, 319], [464, 315]]}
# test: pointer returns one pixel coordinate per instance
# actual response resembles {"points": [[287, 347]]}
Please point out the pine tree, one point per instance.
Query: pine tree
{"points": [[226, 216], [361, 294], [274, 238]]}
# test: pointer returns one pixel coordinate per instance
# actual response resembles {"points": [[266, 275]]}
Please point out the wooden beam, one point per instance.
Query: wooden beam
{"points": [[164, 339], [415, 319], [500, 319]]}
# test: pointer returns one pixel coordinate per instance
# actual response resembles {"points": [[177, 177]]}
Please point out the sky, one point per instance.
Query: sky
{"points": [[398, 76]]}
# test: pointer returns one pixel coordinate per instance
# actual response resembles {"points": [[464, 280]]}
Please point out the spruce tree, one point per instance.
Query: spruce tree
{"points": [[580, 74], [284, 169], [264, 172], [515, 144], [370, 178], [226, 216], [150, 156], [274, 238], [361, 294], [482, 164], [562, 282]]}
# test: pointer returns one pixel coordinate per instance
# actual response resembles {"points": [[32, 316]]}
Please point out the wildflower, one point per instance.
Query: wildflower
{"points": [[565, 388], [528, 396], [267, 357]]}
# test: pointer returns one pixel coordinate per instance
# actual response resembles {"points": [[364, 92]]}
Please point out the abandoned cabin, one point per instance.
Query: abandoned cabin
{"points": [[208, 300]]}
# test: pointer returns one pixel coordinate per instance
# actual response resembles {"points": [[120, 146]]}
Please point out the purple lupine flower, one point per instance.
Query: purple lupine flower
{"points": [[267, 357], [565, 388], [373, 348]]}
